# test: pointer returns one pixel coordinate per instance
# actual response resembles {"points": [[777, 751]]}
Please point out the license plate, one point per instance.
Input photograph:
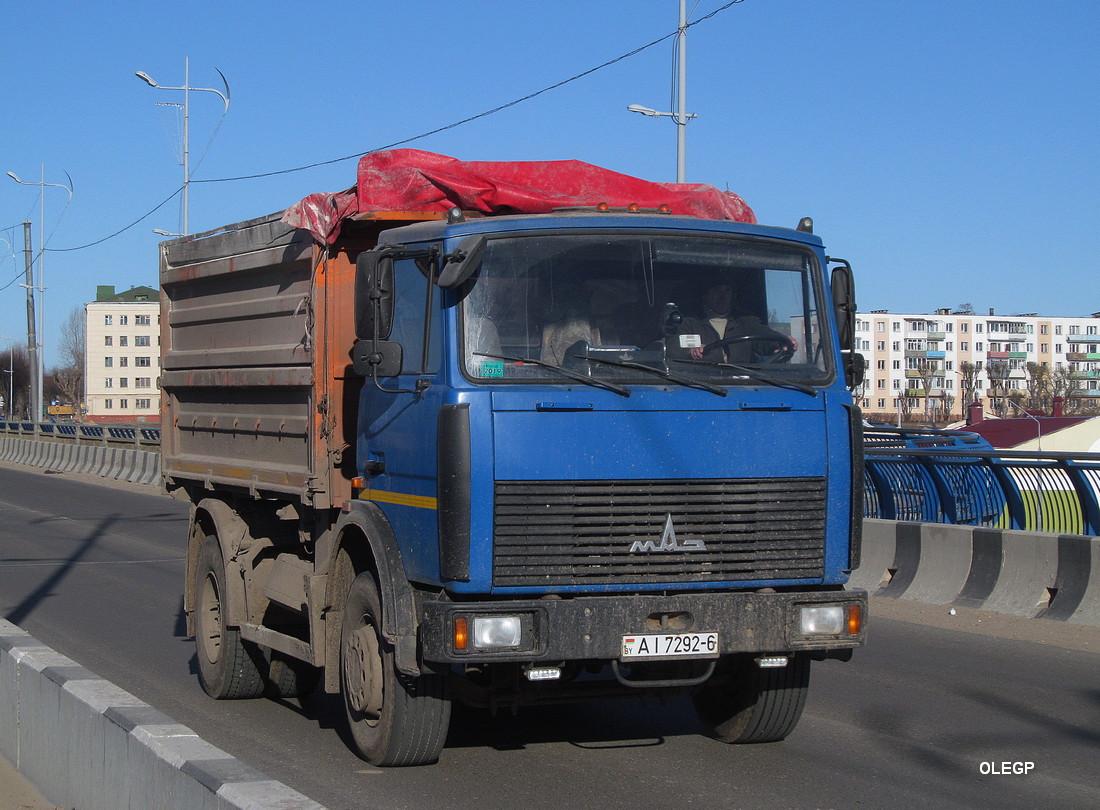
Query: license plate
{"points": [[671, 645]]}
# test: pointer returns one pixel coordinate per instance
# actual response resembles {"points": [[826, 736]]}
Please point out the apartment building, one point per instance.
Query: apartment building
{"points": [[122, 356], [933, 366]]}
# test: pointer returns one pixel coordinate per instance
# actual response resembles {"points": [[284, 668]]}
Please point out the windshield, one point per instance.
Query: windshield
{"points": [[648, 309]]}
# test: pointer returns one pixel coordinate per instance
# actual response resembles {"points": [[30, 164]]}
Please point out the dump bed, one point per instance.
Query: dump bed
{"points": [[256, 330]]}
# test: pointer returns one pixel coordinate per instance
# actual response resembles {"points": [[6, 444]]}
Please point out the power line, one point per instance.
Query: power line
{"points": [[422, 135], [137, 221], [480, 115]]}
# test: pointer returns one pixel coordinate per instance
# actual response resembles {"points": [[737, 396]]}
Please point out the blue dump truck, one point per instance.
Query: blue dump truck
{"points": [[513, 452]]}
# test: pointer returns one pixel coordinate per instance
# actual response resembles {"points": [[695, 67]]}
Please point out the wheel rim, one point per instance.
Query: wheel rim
{"points": [[210, 620], [363, 672]]}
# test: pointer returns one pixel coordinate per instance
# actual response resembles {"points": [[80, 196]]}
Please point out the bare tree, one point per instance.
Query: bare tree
{"points": [[1038, 388], [927, 369], [948, 401], [1065, 385], [69, 376], [968, 382], [998, 381], [16, 375]]}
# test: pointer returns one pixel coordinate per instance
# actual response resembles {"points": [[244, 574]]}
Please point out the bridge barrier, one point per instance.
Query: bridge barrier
{"points": [[956, 477], [1030, 574], [83, 742], [134, 464]]}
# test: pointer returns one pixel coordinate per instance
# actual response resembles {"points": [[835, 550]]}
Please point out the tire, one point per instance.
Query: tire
{"points": [[743, 703], [290, 678], [229, 667], [393, 719]]}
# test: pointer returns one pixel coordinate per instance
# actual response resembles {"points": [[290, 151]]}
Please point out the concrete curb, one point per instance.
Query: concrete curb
{"points": [[119, 463], [1029, 574], [83, 742]]}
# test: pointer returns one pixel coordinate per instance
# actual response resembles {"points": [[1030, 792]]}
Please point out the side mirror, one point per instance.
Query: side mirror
{"points": [[844, 306], [460, 265], [383, 359], [373, 294], [855, 367]]}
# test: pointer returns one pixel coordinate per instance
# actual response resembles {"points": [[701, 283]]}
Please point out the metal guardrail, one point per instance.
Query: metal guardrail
{"points": [[936, 477], [143, 436]]}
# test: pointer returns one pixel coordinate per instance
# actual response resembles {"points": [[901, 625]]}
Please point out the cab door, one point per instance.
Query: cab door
{"points": [[398, 418]]}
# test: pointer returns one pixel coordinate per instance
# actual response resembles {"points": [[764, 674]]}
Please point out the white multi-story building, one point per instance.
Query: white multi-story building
{"points": [[122, 356], [938, 364]]}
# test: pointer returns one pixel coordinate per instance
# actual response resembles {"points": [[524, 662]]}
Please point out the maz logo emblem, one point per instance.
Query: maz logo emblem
{"points": [[668, 542]]}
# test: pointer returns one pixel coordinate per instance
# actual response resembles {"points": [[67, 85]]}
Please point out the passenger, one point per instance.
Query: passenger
{"points": [[570, 325]]}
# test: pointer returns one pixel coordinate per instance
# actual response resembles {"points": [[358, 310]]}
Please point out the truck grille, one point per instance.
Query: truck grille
{"points": [[617, 532]]}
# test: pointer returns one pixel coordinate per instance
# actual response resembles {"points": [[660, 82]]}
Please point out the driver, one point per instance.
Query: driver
{"points": [[697, 335]]}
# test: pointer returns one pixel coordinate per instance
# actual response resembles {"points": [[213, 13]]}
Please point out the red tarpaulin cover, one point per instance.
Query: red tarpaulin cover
{"points": [[412, 180]]}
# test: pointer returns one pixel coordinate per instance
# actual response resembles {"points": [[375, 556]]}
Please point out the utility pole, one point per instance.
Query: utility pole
{"points": [[681, 99], [32, 336], [680, 115]]}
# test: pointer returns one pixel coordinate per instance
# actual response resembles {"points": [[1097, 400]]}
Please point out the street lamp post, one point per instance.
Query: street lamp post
{"points": [[681, 116], [1033, 418], [187, 88], [42, 184]]}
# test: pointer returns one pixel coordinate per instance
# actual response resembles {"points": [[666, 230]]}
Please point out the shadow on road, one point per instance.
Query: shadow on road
{"points": [[27, 605]]}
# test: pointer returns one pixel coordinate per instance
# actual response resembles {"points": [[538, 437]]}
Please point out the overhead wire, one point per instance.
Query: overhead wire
{"points": [[412, 138]]}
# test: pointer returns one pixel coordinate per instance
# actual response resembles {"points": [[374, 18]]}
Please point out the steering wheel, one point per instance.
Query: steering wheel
{"points": [[782, 354]]}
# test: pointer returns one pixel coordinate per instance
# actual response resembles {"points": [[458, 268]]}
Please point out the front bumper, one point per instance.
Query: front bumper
{"points": [[593, 627]]}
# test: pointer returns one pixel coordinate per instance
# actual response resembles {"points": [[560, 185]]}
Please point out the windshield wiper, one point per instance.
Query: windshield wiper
{"points": [[668, 375], [753, 374], [566, 372]]}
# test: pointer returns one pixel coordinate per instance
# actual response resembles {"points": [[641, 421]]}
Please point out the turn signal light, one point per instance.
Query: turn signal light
{"points": [[855, 619], [461, 637]]}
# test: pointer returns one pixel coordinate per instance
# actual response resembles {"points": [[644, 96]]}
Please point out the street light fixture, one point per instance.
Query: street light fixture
{"points": [[681, 116], [187, 88], [42, 184]]}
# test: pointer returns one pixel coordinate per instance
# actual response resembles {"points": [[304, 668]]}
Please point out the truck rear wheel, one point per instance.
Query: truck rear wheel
{"points": [[743, 703], [229, 667], [393, 719], [290, 678]]}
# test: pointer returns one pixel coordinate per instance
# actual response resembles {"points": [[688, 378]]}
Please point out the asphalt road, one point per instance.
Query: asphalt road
{"points": [[925, 716]]}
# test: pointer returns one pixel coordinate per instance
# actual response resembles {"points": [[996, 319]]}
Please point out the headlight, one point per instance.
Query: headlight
{"points": [[496, 632], [823, 620]]}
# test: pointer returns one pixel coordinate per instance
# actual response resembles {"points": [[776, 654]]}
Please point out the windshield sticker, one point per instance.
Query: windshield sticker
{"points": [[491, 368], [690, 341]]}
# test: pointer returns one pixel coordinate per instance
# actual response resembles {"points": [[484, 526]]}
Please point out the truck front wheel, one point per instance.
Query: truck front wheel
{"points": [[743, 703], [393, 719], [229, 667]]}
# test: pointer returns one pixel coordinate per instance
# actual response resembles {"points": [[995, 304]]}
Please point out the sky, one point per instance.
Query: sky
{"points": [[949, 149]]}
